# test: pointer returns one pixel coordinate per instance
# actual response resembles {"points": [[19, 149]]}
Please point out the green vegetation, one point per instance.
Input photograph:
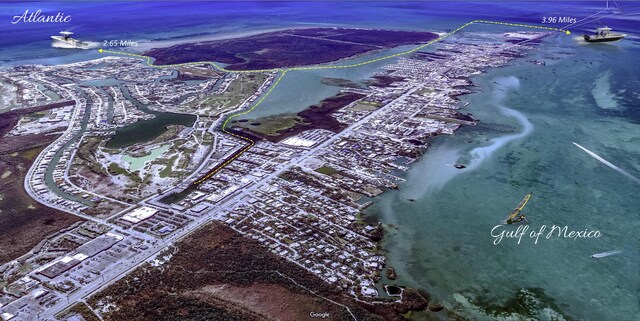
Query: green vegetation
{"points": [[80, 309], [37, 115], [370, 103], [198, 72], [177, 197], [86, 153], [66, 243], [327, 170], [23, 222], [166, 172], [361, 106], [238, 91], [287, 240], [340, 82], [170, 132], [25, 269], [214, 254], [52, 95], [426, 91], [359, 219], [115, 169], [30, 154], [270, 125]]}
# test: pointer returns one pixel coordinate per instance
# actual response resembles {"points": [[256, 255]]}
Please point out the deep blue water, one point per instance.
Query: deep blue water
{"points": [[151, 21]]}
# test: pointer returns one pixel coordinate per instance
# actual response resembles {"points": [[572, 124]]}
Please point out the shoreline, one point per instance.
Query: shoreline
{"points": [[195, 39], [408, 91], [388, 228], [289, 48], [434, 255]]}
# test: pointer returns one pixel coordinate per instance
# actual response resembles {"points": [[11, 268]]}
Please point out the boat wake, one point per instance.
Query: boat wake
{"points": [[606, 162], [445, 156], [605, 254], [479, 154]]}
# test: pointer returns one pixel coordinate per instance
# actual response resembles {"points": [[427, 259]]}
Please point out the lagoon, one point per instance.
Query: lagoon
{"points": [[146, 130], [137, 163]]}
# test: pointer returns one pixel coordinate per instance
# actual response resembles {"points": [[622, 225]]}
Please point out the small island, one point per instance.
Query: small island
{"points": [[277, 128], [340, 82]]}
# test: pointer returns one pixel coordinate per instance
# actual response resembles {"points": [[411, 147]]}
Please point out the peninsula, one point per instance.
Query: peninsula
{"points": [[299, 198]]}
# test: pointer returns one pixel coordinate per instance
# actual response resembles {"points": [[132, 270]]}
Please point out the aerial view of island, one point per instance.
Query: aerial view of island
{"points": [[289, 161]]}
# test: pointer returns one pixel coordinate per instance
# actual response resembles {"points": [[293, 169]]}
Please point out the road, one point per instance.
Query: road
{"points": [[123, 268], [113, 275]]}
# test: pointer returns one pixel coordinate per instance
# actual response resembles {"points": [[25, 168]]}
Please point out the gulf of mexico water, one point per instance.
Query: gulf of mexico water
{"points": [[586, 94]]}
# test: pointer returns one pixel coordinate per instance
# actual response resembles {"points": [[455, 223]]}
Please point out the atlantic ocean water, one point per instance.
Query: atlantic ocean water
{"points": [[158, 21]]}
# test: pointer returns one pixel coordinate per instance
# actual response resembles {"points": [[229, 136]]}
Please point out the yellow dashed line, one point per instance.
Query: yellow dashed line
{"points": [[251, 142], [284, 71]]}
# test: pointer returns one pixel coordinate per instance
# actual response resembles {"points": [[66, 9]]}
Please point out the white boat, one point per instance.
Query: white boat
{"points": [[65, 41], [605, 254], [604, 34]]}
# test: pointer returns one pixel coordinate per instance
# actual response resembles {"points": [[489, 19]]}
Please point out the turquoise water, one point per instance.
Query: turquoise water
{"points": [[137, 163], [300, 89], [442, 243]]}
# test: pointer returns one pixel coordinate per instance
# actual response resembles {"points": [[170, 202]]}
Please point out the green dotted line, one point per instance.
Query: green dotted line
{"points": [[284, 71]]}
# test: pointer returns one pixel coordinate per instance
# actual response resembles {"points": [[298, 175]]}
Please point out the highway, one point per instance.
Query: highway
{"points": [[121, 269], [112, 275]]}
